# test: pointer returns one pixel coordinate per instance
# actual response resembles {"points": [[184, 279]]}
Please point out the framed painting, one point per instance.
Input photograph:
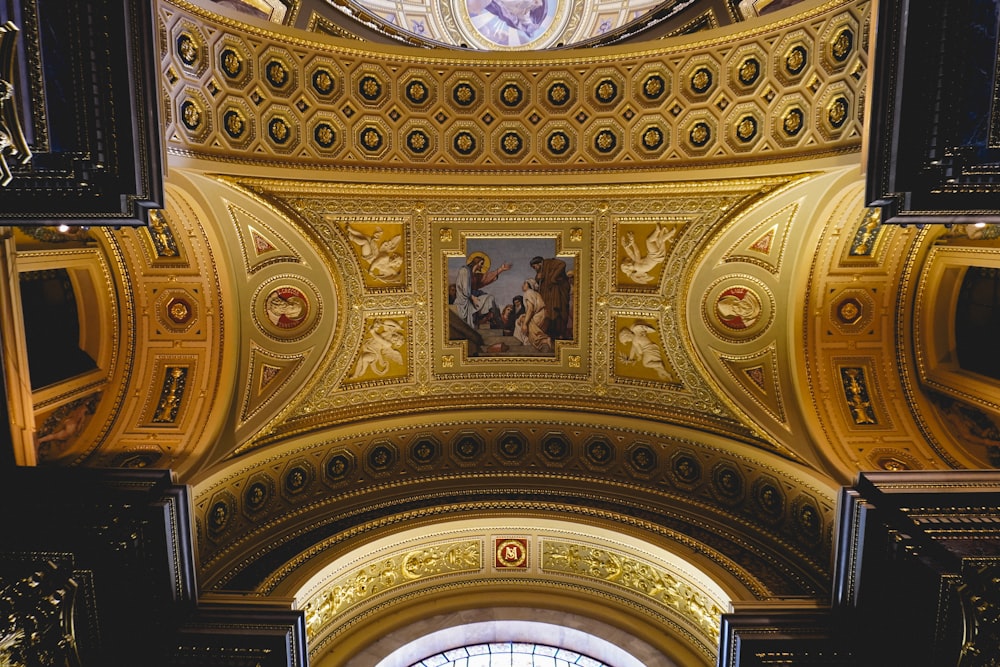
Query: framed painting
{"points": [[509, 296]]}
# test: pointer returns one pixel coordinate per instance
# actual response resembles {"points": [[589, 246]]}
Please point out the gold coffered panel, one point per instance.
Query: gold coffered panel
{"points": [[270, 96]]}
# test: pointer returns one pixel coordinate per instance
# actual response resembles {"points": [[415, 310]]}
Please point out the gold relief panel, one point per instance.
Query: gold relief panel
{"points": [[638, 576], [508, 297], [865, 245], [856, 393], [643, 246], [380, 246], [639, 351], [384, 353], [861, 399], [169, 392], [161, 237], [177, 312], [852, 311], [376, 579]]}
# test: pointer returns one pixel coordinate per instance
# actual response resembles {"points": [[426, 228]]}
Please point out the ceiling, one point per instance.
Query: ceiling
{"points": [[713, 402]]}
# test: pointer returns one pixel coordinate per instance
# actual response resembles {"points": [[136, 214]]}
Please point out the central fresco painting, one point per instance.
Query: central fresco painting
{"points": [[511, 296]]}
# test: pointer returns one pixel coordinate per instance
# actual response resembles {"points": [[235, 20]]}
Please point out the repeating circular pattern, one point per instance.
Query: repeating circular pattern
{"points": [[297, 478], [277, 73], [686, 468], [512, 445], [599, 452], [323, 81], [339, 466], [727, 481], [425, 450], [796, 59], [468, 447], [382, 457], [555, 447], [247, 77]]}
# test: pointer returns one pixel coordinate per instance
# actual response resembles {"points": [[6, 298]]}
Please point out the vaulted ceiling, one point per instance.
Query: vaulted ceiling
{"points": [[712, 402]]}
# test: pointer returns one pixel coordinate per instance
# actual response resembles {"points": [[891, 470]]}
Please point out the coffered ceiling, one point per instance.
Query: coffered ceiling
{"points": [[741, 337]]}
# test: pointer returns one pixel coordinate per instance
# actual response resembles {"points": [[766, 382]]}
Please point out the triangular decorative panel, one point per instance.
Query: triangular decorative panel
{"points": [[764, 245], [260, 245], [268, 373], [757, 375]]}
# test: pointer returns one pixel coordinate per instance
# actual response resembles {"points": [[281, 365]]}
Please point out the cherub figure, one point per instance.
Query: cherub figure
{"points": [[384, 263], [381, 349], [642, 349], [637, 266]]}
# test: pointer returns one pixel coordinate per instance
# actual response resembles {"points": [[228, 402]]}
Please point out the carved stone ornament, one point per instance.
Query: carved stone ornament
{"points": [[12, 143]]}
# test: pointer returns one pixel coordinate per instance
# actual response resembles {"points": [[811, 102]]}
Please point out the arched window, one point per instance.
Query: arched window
{"points": [[508, 654]]}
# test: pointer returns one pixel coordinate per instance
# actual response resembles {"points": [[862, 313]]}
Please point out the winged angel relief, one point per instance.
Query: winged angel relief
{"points": [[380, 350], [638, 266], [385, 264]]}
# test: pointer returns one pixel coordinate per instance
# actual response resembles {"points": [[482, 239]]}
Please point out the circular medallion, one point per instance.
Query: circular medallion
{"points": [[653, 87], [179, 310], [510, 24], [738, 308], [232, 63], [286, 308], [511, 553], [323, 81]]}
